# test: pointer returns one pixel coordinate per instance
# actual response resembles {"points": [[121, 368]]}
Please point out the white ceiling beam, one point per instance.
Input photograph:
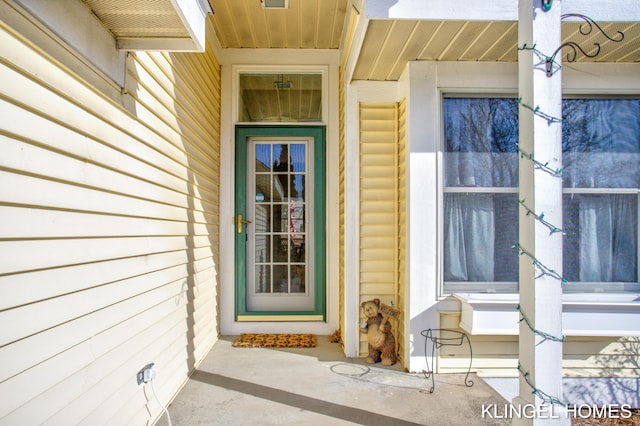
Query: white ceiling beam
{"points": [[284, 57], [166, 44], [438, 10], [496, 10], [604, 10]]}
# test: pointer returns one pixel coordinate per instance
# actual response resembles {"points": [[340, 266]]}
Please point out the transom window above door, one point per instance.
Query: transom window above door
{"points": [[280, 97], [601, 179]]}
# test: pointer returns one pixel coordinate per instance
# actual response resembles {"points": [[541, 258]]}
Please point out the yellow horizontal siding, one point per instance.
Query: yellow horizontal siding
{"points": [[498, 355], [108, 232]]}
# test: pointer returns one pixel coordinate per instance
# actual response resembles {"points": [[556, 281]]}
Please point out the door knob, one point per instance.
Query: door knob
{"points": [[240, 221]]}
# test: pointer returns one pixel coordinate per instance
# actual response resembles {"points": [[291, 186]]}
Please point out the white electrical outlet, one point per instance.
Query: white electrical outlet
{"points": [[146, 374]]}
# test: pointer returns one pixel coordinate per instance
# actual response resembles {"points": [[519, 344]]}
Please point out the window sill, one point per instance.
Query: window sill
{"points": [[583, 314]]}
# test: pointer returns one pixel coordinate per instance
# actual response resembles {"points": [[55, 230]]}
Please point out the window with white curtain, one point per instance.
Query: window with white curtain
{"points": [[601, 178]]}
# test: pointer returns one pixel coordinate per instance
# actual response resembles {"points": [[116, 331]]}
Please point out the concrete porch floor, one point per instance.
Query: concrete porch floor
{"points": [[320, 386]]}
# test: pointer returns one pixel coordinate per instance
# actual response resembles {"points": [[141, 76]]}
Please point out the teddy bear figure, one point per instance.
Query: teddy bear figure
{"points": [[382, 344]]}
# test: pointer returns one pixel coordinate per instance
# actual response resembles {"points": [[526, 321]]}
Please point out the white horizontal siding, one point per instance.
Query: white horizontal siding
{"points": [[108, 232]]}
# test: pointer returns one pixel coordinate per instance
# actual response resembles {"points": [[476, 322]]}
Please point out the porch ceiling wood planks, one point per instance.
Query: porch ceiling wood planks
{"points": [[389, 44], [306, 24]]}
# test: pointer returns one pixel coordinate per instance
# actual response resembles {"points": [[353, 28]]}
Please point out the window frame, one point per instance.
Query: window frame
{"points": [[238, 70], [451, 287]]}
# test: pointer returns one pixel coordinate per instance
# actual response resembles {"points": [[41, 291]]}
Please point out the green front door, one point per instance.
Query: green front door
{"points": [[280, 223]]}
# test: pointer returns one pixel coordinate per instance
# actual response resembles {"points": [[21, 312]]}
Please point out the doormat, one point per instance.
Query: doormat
{"points": [[275, 341]]}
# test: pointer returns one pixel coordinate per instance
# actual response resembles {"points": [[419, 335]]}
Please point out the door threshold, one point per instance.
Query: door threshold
{"points": [[279, 318]]}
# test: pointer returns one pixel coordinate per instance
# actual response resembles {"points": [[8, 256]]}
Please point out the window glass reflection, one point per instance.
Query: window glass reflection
{"points": [[280, 98]]}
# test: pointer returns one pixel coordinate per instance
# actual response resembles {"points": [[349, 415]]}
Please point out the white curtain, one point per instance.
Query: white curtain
{"points": [[469, 237], [608, 238]]}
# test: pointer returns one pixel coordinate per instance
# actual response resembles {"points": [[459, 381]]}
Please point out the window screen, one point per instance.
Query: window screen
{"points": [[481, 194]]}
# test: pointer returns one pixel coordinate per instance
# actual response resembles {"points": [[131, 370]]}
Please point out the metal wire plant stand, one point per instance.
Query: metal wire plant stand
{"points": [[440, 337]]}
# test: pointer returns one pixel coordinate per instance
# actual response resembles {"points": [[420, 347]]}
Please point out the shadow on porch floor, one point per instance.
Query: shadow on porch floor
{"points": [[320, 386]]}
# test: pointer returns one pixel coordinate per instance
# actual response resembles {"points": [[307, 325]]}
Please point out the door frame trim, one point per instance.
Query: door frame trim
{"points": [[318, 133]]}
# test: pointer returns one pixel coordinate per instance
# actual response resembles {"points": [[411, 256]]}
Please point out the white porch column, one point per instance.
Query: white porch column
{"points": [[540, 142]]}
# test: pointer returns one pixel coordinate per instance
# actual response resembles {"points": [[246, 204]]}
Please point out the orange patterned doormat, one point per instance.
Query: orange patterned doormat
{"points": [[275, 341]]}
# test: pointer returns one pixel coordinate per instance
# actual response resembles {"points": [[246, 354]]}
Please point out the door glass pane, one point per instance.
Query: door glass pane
{"points": [[263, 188], [280, 248], [298, 187], [298, 157], [296, 216], [262, 218], [281, 159], [280, 210], [297, 244], [262, 248], [280, 219], [263, 279], [280, 278], [281, 187], [298, 279], [263, 157]]}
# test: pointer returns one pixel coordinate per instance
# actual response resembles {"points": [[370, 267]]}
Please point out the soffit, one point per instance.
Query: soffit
{"points": [[305, 24], [389, 44], [168, 25], [140, 18]]}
